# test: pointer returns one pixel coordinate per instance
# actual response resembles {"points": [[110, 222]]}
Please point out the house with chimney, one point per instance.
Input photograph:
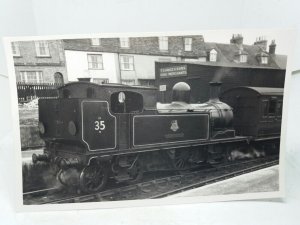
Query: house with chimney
{"points": [[128, 60], [233, 64]]}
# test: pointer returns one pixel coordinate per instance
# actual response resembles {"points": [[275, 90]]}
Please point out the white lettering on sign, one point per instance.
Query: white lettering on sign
{"points": [[99, 125], [173, 71]]}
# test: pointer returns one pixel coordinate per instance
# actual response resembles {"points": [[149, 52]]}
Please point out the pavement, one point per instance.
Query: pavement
{"points": [[265, 180]]}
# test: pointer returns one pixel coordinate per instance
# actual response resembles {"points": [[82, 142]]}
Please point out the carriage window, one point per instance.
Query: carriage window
{"points": [[279, 108], [272, 106], [126, 102], [265, 107]]}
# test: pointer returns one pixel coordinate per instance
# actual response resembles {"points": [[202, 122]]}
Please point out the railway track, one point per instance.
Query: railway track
{"points": [[161, 187]]}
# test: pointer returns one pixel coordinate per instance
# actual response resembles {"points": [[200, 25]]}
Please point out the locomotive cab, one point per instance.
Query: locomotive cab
{"points": [[126, 102]]}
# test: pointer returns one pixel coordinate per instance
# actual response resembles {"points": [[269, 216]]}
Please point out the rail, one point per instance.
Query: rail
{"points": [[166, 186]]}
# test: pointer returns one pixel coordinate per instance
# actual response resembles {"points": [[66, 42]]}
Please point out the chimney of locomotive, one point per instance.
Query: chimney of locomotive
{"points": [[215, 88]]}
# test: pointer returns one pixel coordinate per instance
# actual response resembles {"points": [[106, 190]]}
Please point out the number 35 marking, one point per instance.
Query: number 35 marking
{"points": [[99, 125]]}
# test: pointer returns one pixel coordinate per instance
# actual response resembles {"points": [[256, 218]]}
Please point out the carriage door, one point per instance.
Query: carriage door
{"points": [[124, 104]]}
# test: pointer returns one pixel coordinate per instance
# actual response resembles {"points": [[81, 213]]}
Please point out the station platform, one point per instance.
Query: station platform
{"points": [[264, 180]]}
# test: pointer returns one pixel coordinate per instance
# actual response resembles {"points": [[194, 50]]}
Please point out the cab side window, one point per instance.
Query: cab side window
{"points": [[126, 102], [265, 108]]}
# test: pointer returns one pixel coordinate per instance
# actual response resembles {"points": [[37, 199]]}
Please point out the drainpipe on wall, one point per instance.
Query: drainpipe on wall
{"points": [[119, 69]]}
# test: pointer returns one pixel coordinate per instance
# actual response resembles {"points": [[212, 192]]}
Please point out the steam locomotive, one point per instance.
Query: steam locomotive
{"points": [[95, 132]]}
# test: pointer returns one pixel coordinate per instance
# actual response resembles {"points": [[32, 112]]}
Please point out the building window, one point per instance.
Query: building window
{"points": [[190, 60], [188, 44], [163, 43], [264, 60], [213, 55], [100, 80], [124, 42], [42, 48], [15, 49], [95, 61], [31, 76], [95, 41], [128, 81], [127, 62], [202, 59], [243, 58], [146, 82]]}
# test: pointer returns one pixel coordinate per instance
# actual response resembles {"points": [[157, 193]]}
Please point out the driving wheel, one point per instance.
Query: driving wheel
{"points": [[93, 178]]}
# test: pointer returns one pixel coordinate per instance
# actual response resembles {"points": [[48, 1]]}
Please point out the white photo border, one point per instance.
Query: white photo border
{"points": [[290, 35]]}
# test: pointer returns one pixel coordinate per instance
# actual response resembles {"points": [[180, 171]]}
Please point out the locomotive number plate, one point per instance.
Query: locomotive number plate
{"points": [[163, 129], [98, 126]]}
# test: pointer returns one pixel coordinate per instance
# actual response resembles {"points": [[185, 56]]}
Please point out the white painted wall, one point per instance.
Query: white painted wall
{"points": [[144, 66], [77, 66]]}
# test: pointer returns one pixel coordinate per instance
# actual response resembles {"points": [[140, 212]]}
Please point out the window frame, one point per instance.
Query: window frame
{"points": [[265, 108], [38, 74], [123, 63], [92, 62], [213, 54], [15, 47], [163, 43], [95, 41], [273, 103], [124, 42], [279, 109], [38, 48], [188, 46], [129, 80], [103, 80], [264, 60], [243, 58]]}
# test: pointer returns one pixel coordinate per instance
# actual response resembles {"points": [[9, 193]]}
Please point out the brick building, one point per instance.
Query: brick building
{"points": [[39, 62]]}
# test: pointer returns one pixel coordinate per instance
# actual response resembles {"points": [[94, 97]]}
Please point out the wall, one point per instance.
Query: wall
{"points": [[29, 61], [77, 66]]}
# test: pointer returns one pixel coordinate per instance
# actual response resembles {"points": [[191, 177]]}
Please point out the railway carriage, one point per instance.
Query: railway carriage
{"points": [[93, 132]]}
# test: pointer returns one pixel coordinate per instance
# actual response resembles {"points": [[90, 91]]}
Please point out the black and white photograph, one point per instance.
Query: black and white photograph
{"points": [[162, 117]]}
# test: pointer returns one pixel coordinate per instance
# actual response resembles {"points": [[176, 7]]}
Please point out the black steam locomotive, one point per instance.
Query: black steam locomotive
{"points": [[95, 132]]}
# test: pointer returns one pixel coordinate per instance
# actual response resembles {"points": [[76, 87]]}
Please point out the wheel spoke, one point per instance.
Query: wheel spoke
{"points": [[93, 178]]}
